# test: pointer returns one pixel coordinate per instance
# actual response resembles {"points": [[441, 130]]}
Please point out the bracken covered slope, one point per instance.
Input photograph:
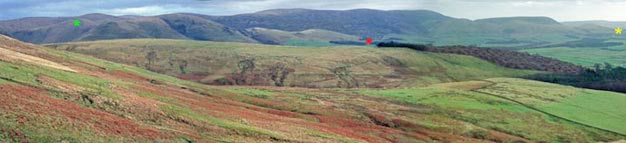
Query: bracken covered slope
{"points": [[221, 63], [69, 97], [56, 96]]}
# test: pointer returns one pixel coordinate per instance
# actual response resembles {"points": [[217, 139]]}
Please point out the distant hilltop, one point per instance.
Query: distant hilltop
{"points": [[279, 26]]}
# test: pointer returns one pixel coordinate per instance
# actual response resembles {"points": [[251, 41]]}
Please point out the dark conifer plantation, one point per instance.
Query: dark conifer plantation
{"points": [[601, 76]]}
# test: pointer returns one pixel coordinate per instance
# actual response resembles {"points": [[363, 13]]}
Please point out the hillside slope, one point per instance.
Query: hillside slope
{"points": [[101, 26], [605, 24], [415, 26], [253, 64], [76, 98], [56, 96], [510, 105], [359, 22], [197, 28], [273, 36]]}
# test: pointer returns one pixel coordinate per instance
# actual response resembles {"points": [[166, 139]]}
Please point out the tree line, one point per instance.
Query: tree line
{"points": [[600, 76], [505, 58]]}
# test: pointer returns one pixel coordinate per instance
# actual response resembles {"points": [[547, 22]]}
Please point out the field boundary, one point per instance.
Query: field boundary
{"points": [[491, 83]]}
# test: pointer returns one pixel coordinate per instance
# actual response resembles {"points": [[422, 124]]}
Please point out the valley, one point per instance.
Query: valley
{"points": [[307, 76], [538, 35], [451, 106]]}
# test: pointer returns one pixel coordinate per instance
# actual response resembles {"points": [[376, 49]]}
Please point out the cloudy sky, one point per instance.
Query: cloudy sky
{"points": [[561, 10]]}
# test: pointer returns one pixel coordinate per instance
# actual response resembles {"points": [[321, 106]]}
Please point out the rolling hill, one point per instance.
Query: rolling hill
{"points": [[606, 24], [415, 26], [198, 28], [187, 77], [279, 37], [254, 64], [359, 22], [100, 26], [56, 96]]}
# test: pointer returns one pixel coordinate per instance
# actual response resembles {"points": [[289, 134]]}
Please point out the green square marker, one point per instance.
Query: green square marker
{"points": [[77, 22]]}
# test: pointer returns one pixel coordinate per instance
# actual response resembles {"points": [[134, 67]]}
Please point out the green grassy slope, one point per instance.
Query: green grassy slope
{"points": [[557, 114], [600, 109], [99, 102], [253, 64], [585, 56], [273, 36], [108, 102], [102, 101]]}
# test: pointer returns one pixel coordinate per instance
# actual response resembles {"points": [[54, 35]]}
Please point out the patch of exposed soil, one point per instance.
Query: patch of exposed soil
{"points": [[11, 56]]}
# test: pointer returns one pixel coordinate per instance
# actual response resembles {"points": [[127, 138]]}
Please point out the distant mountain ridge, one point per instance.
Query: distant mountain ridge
{"points": [[607, 24], [100, 27], [421, 26], [360, 22]]}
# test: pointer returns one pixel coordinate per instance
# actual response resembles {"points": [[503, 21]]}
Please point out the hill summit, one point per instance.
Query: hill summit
{"points": [[421, 26]]}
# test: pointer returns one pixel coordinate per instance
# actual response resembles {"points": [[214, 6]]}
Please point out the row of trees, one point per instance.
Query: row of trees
{"points": [[506, 58], [601, 77]]}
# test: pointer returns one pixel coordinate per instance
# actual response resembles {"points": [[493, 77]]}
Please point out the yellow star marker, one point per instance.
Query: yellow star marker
{"points": [[618, 31]]}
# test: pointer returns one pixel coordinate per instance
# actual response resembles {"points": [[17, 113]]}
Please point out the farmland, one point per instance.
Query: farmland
{"points": [[585, 56]]}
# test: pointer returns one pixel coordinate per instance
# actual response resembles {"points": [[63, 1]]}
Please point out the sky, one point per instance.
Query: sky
{"points": [[561, 10]]}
